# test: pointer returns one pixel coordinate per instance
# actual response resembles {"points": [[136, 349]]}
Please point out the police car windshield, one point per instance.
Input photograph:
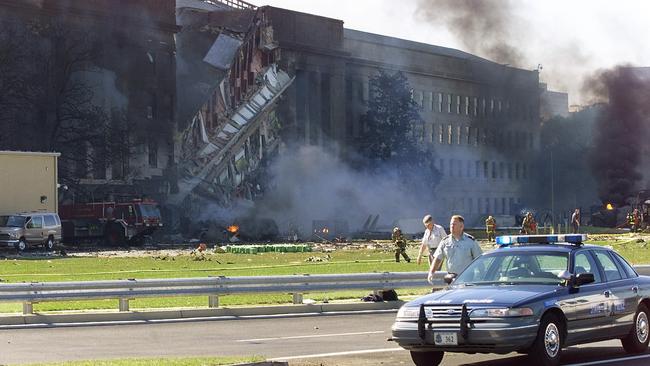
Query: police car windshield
{"points": [[12, 221], [515, 268]]}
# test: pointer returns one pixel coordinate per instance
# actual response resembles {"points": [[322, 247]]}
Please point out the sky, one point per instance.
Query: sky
{"points": [[571, 39]]}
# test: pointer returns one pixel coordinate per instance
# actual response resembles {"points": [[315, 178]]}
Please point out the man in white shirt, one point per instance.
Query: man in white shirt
{"points": [[433, 235]]}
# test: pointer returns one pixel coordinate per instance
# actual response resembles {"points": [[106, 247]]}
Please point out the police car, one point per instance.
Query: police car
{"points": [[535, 294]]}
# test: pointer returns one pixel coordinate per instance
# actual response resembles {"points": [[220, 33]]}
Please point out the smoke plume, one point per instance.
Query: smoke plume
{"points": [[312, 184], [484, 27], [622, 130]]}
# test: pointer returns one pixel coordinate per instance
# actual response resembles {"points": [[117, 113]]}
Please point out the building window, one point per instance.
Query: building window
{"points": [[441, 135], [516, 170], [476, 132], [466, 105], [459, 138], [467, 131], [485, 169], [468, 173], [433, 133], [450, 134], [509, 170], [458, 104], [475, 106], [153, 153], [491, 107], [524, 171], [448, 103], [440, 102], [499, 110], [483, 107], [494, 170], [477, 166], [502, 170], [430, 100]]}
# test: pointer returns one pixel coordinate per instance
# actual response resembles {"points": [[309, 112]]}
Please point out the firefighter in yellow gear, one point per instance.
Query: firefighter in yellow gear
{"points": [[631, 221], [491, 228], [400, 245]]}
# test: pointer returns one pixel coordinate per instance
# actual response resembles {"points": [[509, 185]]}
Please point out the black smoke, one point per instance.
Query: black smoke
{"points": [[621, 131], [484, 27]]}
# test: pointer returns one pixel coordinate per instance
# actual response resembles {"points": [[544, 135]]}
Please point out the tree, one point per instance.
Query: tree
{"points": [[50, 103], [389, 121], [389, 139]]}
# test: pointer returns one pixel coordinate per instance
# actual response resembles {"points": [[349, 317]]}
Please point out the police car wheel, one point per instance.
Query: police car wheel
{"points": [[547, 347], [431, 358], [637, 340]]}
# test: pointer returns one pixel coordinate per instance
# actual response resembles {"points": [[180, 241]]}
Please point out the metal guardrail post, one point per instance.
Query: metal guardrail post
{"points": [[297, 298], [213, 301], [28, 308], [124, 304]]}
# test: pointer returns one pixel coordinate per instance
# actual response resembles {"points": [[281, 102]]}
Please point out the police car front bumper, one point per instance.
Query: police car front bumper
{"points": [[484, 337]]}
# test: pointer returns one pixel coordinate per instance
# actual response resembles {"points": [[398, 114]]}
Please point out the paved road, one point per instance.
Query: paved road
{"points": [[328, 340]]}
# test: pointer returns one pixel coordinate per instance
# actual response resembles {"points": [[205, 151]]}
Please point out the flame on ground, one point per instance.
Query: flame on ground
{"points": [[233, 228], [609, 206]]}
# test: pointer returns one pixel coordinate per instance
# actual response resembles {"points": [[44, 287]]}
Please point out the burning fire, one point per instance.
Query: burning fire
{"points": [[233, 229], [609, 206]]}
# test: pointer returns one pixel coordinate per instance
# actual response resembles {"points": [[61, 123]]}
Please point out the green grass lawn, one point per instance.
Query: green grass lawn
{"points": [[180, 266], [632, 246], [191, 361]]}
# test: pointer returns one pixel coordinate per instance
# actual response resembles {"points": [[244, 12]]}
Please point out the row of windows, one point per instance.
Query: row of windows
{"points": [[450, 134], [474, 106], [482, 205], [482, 169]]}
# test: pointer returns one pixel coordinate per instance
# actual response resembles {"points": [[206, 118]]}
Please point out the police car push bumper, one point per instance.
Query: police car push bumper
{"points": [[483, 330]]}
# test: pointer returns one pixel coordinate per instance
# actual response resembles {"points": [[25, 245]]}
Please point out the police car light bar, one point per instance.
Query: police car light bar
{"points": [[538, 239]]}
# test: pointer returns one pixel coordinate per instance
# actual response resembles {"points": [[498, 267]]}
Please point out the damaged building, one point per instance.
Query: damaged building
{"points": [[94, 80], [298, 78], [194, 99]]}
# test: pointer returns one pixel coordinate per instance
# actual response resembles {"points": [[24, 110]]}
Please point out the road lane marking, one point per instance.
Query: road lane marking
{"points": [[609, 361], [308, 336], [361, 352]]}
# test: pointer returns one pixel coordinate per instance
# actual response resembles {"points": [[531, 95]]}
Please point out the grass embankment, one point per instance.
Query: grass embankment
{"points": [[184, 265], [191, 361], [632, 246]]}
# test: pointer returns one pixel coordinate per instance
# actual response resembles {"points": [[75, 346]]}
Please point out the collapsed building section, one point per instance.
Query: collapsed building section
{"points": [[301, 79]]}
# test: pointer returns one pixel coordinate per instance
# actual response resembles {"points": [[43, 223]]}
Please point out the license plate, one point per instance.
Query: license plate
{"points": [[445, 338]]}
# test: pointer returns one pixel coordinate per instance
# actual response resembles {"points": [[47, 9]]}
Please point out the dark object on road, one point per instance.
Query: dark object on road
{"points": [[536, 294], [385, 295]]}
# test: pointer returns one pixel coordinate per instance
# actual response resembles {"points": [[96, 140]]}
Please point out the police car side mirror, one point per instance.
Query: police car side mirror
{"points": [[449, 278], [584, 278]]}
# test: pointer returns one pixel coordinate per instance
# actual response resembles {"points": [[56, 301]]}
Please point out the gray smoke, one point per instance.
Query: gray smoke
{"points": [[310, 183]]}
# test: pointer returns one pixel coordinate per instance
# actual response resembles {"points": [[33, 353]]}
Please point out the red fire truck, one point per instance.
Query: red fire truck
{"points": [[117, 223]]}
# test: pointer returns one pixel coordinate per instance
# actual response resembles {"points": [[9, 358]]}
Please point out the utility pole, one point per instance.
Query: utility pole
{"points": [[552, 189]]}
